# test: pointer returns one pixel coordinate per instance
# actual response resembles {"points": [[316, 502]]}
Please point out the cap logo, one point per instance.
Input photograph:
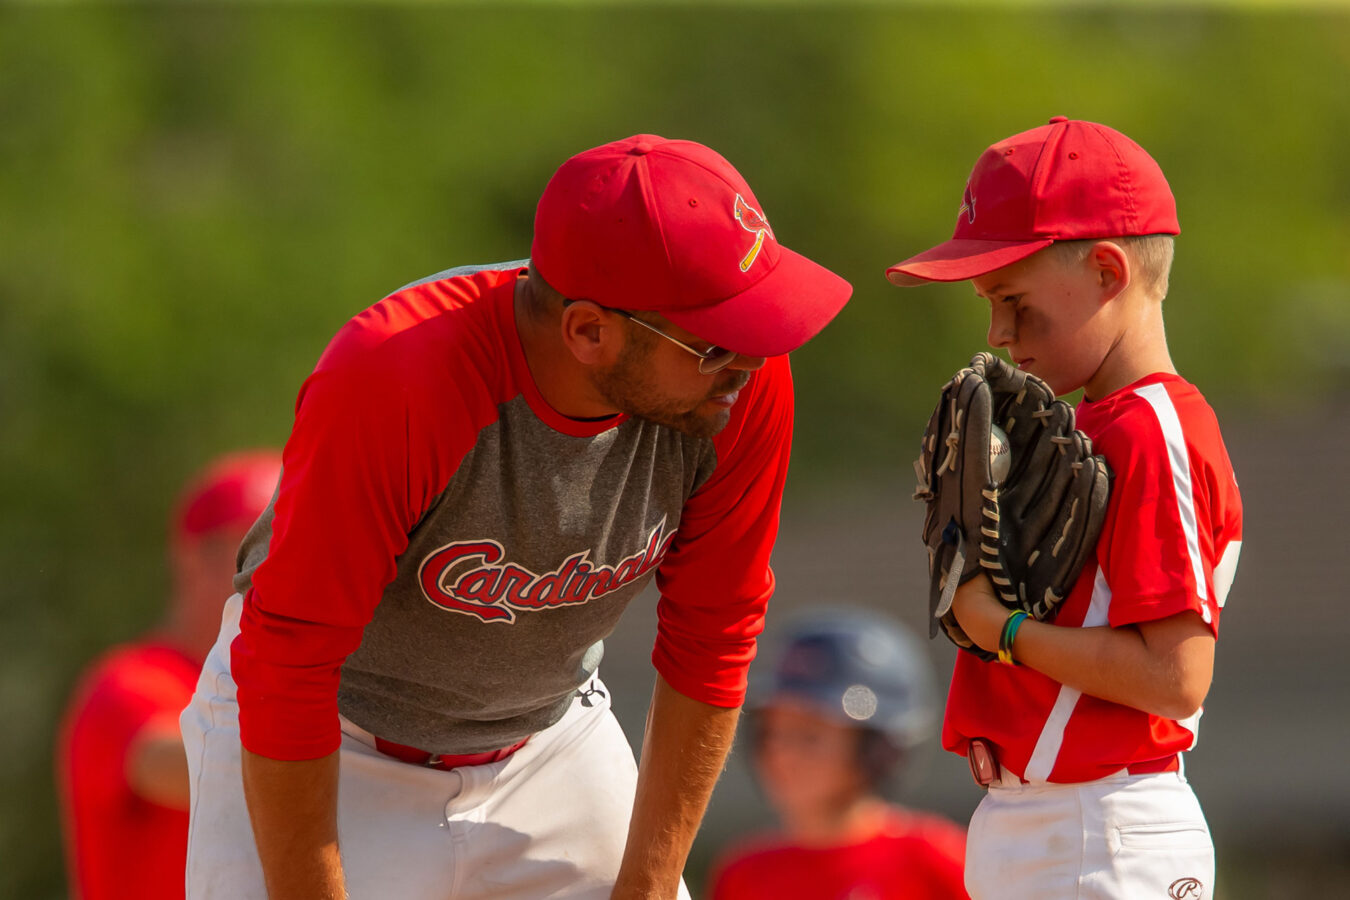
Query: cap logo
{"points": [[754, 223], [967, 206]]}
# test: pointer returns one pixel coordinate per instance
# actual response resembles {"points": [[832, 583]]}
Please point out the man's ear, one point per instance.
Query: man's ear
{"points": [[591, 334], [1111, 267]]}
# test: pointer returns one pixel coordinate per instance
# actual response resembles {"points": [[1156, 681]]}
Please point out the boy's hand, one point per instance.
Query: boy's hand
{"points": [[979, 613]]}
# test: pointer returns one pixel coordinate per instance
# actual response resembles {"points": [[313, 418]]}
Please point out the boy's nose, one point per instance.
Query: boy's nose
{"points": [[1001, 330]]}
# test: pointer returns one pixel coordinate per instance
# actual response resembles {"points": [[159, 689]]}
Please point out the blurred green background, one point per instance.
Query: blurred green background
{"points": [[192, 200]]}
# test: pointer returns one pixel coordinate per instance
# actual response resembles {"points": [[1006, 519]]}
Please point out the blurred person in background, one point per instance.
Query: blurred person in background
{"points": [[835, 708], [122, 772]]}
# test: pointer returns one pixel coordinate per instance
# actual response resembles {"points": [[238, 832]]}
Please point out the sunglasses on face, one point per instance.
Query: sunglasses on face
{"points": [[710, 361]]}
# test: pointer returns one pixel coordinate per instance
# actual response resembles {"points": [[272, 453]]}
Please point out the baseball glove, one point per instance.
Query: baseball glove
{"points": [[1033, 532]]}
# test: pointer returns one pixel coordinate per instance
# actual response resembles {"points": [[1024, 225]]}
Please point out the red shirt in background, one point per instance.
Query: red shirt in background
{"points": [[118, 844], [915, 856]]}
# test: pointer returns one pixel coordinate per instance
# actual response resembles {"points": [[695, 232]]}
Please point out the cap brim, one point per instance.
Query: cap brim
{"points": [[776, 315], [957, 260]]}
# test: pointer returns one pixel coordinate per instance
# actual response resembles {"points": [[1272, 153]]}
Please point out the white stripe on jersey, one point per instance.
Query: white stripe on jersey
{"points": [[1192, 724], [1226, 571], [1161, 401], [1043, 758]]}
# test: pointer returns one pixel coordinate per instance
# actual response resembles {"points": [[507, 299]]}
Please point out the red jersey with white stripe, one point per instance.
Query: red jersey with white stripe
{"points": [[1170, 544], [118, 843], [446, 553], [915, 856]]}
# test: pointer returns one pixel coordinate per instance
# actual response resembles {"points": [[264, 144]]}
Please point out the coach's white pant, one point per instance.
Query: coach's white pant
{"points": [[1119, 838], [548, 821]]}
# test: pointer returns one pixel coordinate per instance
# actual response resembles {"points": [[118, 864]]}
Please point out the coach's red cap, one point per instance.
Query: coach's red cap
{"points": [[670, 226], [1066, 181], [230, 492]]}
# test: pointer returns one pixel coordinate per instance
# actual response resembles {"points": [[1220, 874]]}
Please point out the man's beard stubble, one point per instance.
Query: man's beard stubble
{"points": [[630, 387]]}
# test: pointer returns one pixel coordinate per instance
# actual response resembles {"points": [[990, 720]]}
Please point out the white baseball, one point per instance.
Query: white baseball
{"points": [[1000, 454]]}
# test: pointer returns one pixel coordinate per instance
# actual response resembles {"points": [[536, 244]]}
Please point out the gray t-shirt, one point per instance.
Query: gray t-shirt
{"points": [[460, 550]]}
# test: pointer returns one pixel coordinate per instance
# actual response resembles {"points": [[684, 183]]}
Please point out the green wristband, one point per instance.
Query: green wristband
{"points": [[1005, 640]]}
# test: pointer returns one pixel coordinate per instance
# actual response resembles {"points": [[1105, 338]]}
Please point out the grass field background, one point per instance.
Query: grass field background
{"points": [[193, 199]]}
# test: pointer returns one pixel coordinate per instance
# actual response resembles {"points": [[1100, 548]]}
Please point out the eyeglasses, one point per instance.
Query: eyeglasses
{"points": [[710, 361]]}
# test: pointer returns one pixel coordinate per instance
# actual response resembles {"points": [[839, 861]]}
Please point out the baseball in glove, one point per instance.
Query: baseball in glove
{"points": [[1033, 532]]}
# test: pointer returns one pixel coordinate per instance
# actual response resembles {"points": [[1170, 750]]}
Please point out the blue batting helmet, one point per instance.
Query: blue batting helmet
{"points": [[856, 666]]}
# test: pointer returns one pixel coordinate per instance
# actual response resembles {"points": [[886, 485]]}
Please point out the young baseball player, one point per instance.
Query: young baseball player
{"points": [[1078, 729], [833, 710], [486, 467], [122, 775]]}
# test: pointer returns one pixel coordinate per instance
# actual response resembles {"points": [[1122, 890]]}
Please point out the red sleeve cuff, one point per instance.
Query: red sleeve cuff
{"points": [[710, 671], [1152, 609], [728, 697], [267, 727], [287, 674]]}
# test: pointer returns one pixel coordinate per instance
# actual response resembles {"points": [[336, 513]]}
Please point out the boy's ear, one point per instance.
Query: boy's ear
{"points": [[1111, 266]]}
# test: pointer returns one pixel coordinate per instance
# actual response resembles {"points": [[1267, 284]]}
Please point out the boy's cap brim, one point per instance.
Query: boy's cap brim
{"points": [[960, 259]]}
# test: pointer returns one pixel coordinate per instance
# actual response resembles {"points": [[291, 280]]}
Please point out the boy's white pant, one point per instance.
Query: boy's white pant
{"points": [[548, 821], [1119, 838]]}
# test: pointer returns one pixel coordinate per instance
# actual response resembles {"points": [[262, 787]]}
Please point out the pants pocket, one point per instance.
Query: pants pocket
{"points": [[1174, 860], [1162, 836]]}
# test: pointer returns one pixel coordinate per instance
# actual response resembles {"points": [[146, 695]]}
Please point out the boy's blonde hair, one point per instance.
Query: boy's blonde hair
{"points": [[1152, 255]]}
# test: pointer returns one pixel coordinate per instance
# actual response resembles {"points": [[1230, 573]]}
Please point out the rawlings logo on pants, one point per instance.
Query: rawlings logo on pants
{"points": [[468, 577], [1185, 889]]}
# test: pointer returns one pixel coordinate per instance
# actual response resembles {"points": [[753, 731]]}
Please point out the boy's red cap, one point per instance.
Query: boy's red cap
{"points": [[670, 226], [1066, 181], [231, 492]]}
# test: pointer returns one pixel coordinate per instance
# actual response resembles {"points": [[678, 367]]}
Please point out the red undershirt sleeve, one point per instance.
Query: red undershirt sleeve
{"points": [[342, 516], [715, 582], [380, 427]]}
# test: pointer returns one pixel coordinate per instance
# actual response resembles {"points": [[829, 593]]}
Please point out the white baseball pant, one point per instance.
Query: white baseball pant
{"points": [[1119, 838], [550, 820]]}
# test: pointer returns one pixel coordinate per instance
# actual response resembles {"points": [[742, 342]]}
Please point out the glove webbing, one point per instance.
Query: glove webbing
{"points": [[953, 576]]}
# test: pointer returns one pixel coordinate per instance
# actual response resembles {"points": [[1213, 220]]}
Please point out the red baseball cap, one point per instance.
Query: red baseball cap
{"points": [[647, 223], [231, 491], [1065, 181]]}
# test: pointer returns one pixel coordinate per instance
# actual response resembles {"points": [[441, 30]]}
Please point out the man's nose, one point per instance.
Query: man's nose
{"points": [[747, 363]]}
